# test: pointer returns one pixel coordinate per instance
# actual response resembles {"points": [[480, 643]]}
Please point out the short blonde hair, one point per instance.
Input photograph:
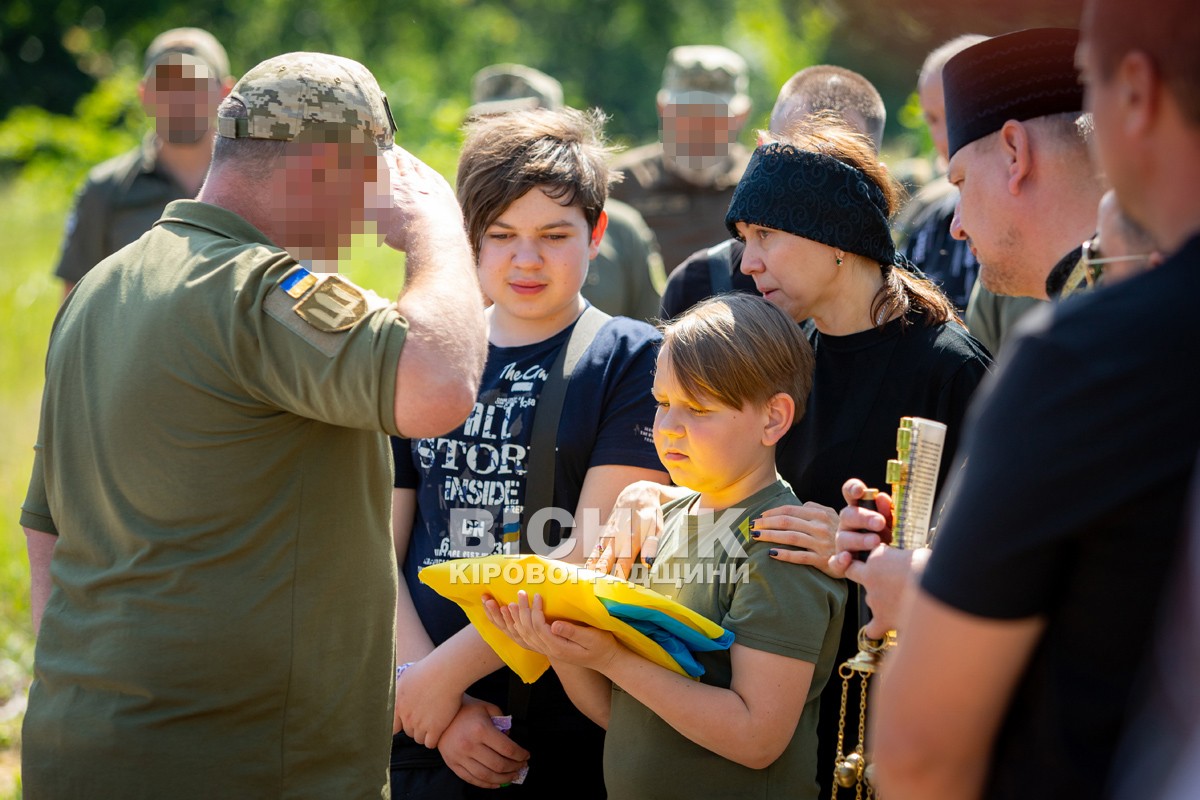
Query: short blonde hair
{"points": [[740, 349]]}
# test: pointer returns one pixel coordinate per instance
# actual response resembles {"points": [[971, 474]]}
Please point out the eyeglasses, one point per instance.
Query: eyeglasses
{"points": [[1093, 261]]}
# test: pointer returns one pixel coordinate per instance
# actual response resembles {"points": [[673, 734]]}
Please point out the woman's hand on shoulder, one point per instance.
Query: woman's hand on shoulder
{"points": [[812, 528], [636, 516]]}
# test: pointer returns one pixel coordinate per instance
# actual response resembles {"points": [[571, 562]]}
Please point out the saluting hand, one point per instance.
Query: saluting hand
{"points": [[419, 197]]}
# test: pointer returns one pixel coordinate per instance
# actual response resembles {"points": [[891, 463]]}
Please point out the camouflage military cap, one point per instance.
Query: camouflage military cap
{"points": [[501, 88], [196, 45], [707, 69], [310, 97]]}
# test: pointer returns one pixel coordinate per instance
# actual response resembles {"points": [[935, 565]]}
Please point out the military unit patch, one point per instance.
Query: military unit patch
{"points": [[320, 308], [329, 303], [334, 304]]}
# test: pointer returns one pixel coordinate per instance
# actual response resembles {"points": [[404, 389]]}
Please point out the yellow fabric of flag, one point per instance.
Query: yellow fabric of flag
{"points": [[570, 592]]}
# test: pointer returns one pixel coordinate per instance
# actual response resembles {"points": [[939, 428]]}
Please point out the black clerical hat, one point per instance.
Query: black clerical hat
{"points": [[1019, 76]]}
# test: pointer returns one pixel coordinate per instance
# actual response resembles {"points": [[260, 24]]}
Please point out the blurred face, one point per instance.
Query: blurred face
{"points": [[322, 194], [982, 216], [704, 444], [183, 100], [933, 108], [796, 274], [1112, 241], [533, 260], [697, 135]]}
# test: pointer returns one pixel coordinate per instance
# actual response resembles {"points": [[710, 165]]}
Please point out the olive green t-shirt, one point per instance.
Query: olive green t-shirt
{"points": [[222, 610], [711, 565]]}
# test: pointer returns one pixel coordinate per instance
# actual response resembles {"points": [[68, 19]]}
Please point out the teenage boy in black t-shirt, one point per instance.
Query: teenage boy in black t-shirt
{"points": [[532, 185]]}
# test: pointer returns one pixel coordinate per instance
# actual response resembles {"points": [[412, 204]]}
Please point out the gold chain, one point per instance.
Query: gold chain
{"points": [[851, 769], [845, 672], [862, 736]]}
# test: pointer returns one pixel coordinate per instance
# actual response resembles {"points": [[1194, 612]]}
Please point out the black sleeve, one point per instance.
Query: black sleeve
{"points": [[85, 238], [992, 557], [1037, 442], [687, 285], [691, 281], [953, 401], [407, 476]]}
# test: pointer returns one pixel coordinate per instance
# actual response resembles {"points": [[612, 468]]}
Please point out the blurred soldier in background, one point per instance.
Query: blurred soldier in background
{"points": [[820, 89], [186, 77], [682, 185]]}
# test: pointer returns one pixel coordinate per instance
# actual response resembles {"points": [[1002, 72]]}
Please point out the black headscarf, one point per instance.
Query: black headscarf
{"points": [[816, 197]]}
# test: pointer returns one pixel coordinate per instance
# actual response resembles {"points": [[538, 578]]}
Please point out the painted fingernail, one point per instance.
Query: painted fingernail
{"points": [[754, 534], [772, 552], [649, 561]]}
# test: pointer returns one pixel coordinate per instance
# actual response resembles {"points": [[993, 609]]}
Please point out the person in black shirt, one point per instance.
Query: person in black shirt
{"points": [[1022, 647]]}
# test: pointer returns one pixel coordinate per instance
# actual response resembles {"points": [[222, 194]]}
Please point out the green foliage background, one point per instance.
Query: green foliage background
{"points": [[68, 100]]}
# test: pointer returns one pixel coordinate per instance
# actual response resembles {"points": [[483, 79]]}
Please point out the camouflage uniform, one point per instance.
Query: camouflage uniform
{"points": [[685, 205]]}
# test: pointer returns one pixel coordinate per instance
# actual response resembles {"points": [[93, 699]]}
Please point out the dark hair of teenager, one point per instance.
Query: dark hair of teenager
{"points": [[560, 151]]}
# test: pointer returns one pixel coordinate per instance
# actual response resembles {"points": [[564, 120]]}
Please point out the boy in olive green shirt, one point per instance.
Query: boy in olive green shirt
{"points": [[732, 377]]}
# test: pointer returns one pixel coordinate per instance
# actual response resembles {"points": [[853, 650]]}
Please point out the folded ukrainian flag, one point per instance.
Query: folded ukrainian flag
{"points": [[645, 621]]}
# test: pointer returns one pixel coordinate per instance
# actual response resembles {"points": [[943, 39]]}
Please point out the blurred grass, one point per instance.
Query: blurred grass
{"points": [[29, 298]]}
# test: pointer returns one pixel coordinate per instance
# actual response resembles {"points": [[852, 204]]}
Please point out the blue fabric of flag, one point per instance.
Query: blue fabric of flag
{"points": [[679, 640]]}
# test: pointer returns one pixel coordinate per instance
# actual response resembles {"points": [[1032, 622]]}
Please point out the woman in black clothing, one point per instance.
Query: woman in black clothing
{"points": [[813, 210]]}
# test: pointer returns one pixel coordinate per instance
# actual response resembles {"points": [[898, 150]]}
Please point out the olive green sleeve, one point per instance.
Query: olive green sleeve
{"points": [[639, 264], [316, 358], [648, 276], [35, 511], [783, 608]]}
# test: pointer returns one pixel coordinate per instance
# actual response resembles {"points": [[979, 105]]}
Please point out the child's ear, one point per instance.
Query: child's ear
{"points": [[781, 408], [597, 234]]}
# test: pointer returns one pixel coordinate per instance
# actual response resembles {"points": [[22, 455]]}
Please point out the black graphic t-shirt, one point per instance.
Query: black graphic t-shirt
{"points": [[471, 482]]}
